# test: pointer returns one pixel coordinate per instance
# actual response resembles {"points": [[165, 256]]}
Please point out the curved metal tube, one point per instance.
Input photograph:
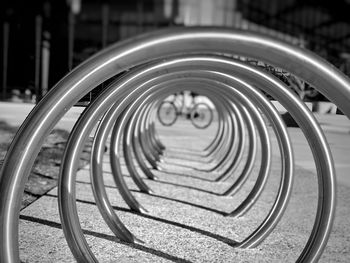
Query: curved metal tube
{"points": [[251, 155], [130, 148], [221, 153], [138, 150], [263, 176], [252, 148], [236, 146], [102, 66], [151, 138]]}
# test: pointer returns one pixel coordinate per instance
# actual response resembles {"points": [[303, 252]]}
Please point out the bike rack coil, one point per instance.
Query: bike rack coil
{"points": [[128, 107]]}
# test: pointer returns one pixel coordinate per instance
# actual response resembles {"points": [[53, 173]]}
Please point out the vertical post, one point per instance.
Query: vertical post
{"points": [[105, 23], [38, 31], [71, 25], [45, 63], [155, 14], [6, 35], [140, 18], [174, 10]]}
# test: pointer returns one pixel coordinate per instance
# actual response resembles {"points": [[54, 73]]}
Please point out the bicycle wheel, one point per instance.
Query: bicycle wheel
{"points": [[167, 113], [201, 115]]}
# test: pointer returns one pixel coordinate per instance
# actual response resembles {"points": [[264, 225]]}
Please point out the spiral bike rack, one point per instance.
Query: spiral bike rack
{"points": [[127, 108]]}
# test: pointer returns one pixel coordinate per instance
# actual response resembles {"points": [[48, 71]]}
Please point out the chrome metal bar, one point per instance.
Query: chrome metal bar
{"points": [[172, 42]]}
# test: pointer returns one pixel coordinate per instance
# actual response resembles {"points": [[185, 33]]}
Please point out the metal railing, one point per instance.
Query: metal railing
{"points": [[160, 61]]}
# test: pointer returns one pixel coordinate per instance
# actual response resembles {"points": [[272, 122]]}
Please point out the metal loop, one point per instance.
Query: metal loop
{"points": [[128, 107]]}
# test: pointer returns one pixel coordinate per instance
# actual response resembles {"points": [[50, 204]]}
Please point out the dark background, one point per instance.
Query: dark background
{"points": [[71, 36]]}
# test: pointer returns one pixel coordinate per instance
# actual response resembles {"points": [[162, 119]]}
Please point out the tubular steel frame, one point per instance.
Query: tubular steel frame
{"points": [[163, 58]]}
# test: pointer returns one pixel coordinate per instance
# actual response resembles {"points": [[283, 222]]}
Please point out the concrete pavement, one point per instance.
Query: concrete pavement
{"points": [[336, 128], [186, 220]]}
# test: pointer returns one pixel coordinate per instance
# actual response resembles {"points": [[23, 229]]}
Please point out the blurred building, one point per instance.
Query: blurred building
{"points": [[43, 40]]}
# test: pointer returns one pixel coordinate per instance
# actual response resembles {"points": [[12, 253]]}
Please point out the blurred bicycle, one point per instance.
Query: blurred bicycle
{"points": [[199, 113]]}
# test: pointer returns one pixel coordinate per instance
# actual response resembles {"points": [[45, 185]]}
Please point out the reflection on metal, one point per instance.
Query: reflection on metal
{"points": [[127, 111]]}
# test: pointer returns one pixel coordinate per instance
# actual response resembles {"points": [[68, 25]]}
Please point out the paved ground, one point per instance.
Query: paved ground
{"points": [[187, 219], [336, 127]]}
